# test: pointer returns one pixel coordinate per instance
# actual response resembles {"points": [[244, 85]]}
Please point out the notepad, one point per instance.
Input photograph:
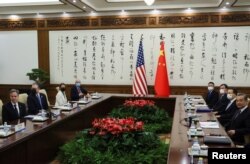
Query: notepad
{"points": [[63, 107], [209, 125], [39, 118], [84, 101], [29, 116]]}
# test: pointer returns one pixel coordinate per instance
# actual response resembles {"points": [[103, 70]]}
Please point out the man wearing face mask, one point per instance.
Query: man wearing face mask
{"points": [[77, 91], [239, 125], [212, 96], [36, 101], [61, 98], [223, 100], [226, 114]]}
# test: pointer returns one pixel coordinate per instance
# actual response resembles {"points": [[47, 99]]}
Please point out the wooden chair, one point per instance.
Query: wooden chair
{"points": [[44, 92], [247, 139], [23, 99]]}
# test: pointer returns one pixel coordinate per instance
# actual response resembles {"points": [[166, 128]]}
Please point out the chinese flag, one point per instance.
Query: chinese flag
{"points": [[161, 79]]}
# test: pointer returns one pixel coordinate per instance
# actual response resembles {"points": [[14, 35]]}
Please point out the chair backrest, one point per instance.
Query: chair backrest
{"points": [[1, 105], [44, 92], [248, 102], [23, 98], [247, 138]]}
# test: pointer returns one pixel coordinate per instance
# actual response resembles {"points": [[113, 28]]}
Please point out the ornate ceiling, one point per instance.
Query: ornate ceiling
{"points": [[53, 8]]}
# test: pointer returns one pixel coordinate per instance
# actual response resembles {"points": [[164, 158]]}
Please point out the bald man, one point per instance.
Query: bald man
{"points": [[77, 91]]}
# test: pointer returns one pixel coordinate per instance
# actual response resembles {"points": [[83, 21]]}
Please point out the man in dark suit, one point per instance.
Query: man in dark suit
{"points": [[77, 91], [211, 97], [13, 110], [240, 122], [223, 100], [36, 101], [226, 114]]}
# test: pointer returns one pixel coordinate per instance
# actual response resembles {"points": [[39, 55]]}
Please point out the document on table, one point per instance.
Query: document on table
{"points": [[209, 125]]}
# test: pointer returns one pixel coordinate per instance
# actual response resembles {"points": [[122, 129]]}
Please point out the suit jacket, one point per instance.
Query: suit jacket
{"points": [[226, 115], [221, 103], [211, 98], [34, 104], [11, 114], [241, 125], [74, 94]]}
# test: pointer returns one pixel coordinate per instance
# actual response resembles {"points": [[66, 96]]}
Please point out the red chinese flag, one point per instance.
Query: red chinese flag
{"points": [[161, 79]]}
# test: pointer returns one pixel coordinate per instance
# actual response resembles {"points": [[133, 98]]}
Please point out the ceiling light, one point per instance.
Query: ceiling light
{"points": [[123, 12], [74, 1], [28, 2], [92, 13], [14, 17], [84, 7], [149, 2], [227, 3], [155, 11]]}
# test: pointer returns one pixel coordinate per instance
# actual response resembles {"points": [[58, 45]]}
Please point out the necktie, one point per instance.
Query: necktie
{"points": [[229, 104], [236, 114], [40, 101], [16, 110]]}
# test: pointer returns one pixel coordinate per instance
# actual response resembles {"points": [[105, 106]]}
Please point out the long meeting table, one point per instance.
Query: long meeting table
{"points": [[39, 142]]}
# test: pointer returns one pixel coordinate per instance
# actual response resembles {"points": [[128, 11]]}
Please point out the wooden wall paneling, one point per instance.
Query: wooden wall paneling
{"points": [[43, 49]]}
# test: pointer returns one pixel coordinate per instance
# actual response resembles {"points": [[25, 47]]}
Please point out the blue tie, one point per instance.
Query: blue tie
{"points": [[40, 101]]}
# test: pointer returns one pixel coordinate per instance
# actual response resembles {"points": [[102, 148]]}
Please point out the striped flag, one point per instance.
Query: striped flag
{"points": [[139, 82]]}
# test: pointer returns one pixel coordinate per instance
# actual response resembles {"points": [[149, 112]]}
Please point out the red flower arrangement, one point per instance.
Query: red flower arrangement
{"points": [[139, 103], [115, 126]]}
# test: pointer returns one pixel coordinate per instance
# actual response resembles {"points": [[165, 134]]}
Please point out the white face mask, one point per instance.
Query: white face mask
{"points": [[222, 91], [229, 96], [210, 88]]}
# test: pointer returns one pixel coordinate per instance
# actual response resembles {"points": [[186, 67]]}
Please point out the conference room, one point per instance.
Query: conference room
{"points": [[128, 81]]}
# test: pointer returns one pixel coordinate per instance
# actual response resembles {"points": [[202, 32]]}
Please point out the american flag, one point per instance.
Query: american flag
{"points": [[140, 83]]}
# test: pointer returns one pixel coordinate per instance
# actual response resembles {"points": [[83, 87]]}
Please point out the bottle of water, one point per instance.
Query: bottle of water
{"points": [[191, 159], [185, 96], [5, 128], [200, 161]]}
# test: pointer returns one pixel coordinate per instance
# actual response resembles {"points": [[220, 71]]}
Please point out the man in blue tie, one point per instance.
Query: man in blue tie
{"points": [[77, 91], [211, 96], [36, 101]]}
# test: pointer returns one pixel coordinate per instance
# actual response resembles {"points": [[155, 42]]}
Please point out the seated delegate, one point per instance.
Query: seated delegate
{"points": [[225, 115], [13, 110], [77, 91], [211, 96], [36, 101], [223, 100], [239, 125], [61, 98]]}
